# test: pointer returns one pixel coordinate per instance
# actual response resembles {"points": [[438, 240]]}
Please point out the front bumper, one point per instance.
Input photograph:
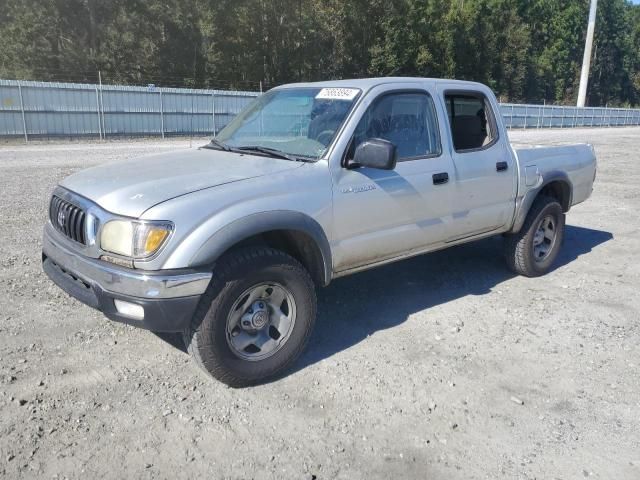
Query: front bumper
{"points": [[169, 298]]}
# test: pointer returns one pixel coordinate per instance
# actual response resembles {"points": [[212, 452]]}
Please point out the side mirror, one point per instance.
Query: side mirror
{"points": [[374, 153]]}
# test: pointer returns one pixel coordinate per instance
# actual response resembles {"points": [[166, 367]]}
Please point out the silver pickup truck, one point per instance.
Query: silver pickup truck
{"points": [[312, 181]]}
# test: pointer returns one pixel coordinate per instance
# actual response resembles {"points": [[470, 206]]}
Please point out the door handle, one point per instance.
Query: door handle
{"points": [[501, 166], [440, 178]]}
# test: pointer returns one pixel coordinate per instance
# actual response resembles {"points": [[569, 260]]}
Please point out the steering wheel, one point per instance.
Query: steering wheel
{"points": [[325, 137]]}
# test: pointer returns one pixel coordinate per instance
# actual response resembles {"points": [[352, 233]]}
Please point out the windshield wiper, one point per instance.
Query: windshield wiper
{"points": [[220, 145], [270, 151], [273, 152]]}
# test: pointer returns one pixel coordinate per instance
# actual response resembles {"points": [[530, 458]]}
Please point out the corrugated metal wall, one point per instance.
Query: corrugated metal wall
{"points": [[552, 116], [41, 109]]}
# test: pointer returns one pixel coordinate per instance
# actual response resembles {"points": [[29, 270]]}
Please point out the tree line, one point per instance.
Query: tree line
{"points": [[526, 50]]}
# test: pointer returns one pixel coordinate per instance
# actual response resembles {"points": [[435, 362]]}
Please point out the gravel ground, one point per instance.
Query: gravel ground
{"points": [[444, 366]]}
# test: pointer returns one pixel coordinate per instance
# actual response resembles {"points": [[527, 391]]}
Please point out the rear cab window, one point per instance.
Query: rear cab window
{"points": [[471, 120]]}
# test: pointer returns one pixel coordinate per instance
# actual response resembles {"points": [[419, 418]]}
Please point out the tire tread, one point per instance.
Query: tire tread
{"points": [[229, 265], [516, 246]]}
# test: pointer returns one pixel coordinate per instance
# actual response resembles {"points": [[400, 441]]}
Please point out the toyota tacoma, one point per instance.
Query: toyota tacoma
{"points": [[227, 243]]}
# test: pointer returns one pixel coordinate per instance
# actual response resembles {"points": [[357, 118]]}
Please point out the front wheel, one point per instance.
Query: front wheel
{"points": [[532, 251], [255, 318]]}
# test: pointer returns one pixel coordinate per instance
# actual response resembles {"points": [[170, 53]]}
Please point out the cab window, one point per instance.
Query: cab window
{"points": [[471, 121], [408, 120]]}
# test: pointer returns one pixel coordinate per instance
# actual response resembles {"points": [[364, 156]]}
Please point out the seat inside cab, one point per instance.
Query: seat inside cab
{"points": [[470, 128]]}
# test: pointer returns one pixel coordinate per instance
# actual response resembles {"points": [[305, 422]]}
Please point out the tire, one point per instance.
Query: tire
{"points": [[215, 338], [520, 250]]}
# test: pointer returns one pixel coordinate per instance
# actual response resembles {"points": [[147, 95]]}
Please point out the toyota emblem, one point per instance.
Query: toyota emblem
{"points": [[61, 218]]}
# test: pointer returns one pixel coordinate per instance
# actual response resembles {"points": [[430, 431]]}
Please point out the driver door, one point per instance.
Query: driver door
{"points": [[381, 214]]}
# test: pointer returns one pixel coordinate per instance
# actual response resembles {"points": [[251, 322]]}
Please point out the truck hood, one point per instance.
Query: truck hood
{"points": [[130, 187]]}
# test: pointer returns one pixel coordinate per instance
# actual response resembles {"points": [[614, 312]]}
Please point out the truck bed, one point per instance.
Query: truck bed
{"points": [[536, 162]]}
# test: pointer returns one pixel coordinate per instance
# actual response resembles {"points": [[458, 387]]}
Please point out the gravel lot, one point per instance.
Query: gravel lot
{"points": [[415, 369]]}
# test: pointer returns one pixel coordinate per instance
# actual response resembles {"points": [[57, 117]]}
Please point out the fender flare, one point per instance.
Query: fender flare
{"points": [[524, 205], [257, 223]]}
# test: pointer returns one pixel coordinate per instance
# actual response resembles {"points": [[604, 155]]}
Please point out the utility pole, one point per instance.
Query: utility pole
{"points": [[586, 60]]}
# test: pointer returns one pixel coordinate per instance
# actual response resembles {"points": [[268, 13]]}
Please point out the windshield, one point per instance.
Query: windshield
{"points": [[301, 122]]}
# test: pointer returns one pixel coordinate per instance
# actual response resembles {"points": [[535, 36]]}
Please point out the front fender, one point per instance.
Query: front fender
{"points": [[254, 224]]}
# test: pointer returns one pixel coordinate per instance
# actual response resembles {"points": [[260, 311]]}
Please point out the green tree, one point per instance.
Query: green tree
{"points": [[525, 50]]}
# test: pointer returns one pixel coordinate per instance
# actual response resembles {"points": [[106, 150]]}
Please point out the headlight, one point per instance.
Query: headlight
{"points": [[134, 239]]}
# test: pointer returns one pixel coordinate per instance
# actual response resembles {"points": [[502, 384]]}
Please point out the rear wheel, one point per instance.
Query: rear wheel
{"points": [[255, 318], [532, 251]]}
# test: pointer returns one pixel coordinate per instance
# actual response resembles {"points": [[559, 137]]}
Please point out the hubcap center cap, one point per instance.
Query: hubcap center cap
{"points": [[259, 319]]}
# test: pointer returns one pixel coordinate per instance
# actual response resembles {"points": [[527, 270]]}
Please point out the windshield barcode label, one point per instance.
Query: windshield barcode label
{"points": [[337, 94]]}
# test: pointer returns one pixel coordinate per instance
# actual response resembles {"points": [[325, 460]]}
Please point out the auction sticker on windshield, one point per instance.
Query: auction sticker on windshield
{"points": [[337, 94]]}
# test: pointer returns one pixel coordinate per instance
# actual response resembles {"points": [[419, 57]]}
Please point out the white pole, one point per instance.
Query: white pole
{"points": [[586, 60]]}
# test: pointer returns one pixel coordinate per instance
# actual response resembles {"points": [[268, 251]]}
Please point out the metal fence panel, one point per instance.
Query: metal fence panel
{"points": [[11, 118], [554, 116], [42, 109]]}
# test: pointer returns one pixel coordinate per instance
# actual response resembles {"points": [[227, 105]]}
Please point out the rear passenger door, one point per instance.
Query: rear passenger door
{"points": [[484, 179]]}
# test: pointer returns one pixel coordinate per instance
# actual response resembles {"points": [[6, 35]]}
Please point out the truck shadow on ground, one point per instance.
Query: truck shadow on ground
{"points": [[354, 307]]}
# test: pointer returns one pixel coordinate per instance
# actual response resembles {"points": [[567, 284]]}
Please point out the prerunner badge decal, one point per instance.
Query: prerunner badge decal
{"points": [[337, 94]]}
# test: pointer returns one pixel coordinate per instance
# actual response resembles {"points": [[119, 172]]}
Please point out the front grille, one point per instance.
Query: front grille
{"points": [[68, 219]]}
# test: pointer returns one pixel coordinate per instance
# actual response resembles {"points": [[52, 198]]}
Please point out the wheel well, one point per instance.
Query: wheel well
{"points": [[559, 190], [296, 243]]}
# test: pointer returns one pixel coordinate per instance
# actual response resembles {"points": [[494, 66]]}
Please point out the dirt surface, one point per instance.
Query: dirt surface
{"points": [[445, 366]]}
